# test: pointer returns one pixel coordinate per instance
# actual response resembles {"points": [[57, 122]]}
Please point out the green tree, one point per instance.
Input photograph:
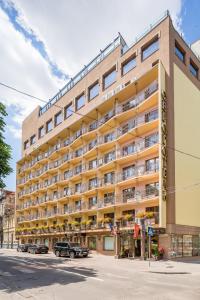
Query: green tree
{"points": [[5, 149]]}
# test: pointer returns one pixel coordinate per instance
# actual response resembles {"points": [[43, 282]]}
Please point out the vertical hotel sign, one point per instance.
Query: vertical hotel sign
{"points": [[164, 144]]}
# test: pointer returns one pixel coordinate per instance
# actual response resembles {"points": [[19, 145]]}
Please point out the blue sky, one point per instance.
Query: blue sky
{"points": [[45, 44]]}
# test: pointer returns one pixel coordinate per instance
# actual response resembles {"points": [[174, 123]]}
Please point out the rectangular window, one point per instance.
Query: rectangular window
{"points": [[109, 78], [151, 116], [152, 189], [78, 187], [41, 132], [151, 140], [26, 144], [80, 101], [150, 49], [128, 65], [93, 183], [58, 118], [129, 149], [92, 164], [128, 194], [193, 69], [109, 157], [109, 243], [68, 111], [109, 198], [109, 177], [128, 172], [93, 91], [33, 139], [109, 137], [180, 53], [92, 201], [49, 126], [152, 165]]}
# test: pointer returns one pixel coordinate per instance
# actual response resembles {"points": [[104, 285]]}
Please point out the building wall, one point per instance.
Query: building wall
{"points": [[187, 169]]}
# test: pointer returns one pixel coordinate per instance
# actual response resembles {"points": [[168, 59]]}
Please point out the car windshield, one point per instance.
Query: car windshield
{"points": [[74, 245]]}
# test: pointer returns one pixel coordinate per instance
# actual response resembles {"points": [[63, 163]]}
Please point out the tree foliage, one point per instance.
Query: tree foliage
{"points": [[5, 149]]}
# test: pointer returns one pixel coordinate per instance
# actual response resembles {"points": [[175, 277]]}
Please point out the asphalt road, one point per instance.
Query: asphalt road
{"points": [[46, 277]]}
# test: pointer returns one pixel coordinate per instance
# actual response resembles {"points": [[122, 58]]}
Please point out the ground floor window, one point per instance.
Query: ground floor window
{"points": [[92, 242], [108, 243], [185, 245], [46, 242]]}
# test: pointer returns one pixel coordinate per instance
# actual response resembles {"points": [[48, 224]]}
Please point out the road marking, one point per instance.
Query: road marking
{"points": [[80, 275]]}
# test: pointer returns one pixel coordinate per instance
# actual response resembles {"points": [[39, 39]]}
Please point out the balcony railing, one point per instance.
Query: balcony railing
{"points": [[128, 104]]}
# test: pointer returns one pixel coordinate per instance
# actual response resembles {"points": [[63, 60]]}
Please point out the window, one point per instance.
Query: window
{"points": [[49, 126], [150, 49], [65, 208], [109, 197], [41, 132], [128, 65], [68, 111], [152, 115], [26, 144], [129, 149], [193, 69], [180, 53], [152, 189], [80, 101], [109, 78], [92, 201], [93, 91], [78, 187], [93, 182], [128, 194], [109, 177], [109, 137], [58, 118], [33, 139], [92, 164], [151, 140], [152, 165], [109, 243], [78, 204], [109, 157], [128, 172]]}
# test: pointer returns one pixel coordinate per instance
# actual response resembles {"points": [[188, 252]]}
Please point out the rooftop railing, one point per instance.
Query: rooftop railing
{"points": [[104, 53]]}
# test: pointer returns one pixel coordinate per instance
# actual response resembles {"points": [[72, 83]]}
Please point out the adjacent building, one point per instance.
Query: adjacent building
{"points": [[117, 146], [7, 219]]}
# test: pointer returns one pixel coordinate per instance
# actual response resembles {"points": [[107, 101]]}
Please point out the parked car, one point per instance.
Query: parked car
{"points": [[23, 247], [69, 249], [38, 249]]}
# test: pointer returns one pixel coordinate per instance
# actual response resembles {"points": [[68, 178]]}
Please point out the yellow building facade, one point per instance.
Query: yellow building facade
{"points": [[99, 157]]}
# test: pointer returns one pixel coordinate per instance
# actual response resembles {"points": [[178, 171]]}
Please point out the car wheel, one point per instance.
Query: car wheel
{"points": [[85, 255], [57, 253], [72, 255]]}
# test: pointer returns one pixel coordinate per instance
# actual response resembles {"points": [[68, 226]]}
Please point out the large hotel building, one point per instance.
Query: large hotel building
{"points": [[118, 145]]}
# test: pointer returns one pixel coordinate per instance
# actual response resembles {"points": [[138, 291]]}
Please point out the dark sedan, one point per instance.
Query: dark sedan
{"points": [[23, 247], [38, 249]]}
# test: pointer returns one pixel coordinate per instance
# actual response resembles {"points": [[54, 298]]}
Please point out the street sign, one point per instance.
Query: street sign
{"points": [[150, 231]]}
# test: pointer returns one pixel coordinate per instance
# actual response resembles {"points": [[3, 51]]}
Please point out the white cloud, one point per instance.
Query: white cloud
{"points": [[16, 132], [73, 31], [23, 67]]}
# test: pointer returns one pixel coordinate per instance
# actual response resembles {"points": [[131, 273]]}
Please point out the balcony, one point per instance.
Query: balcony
{"points": [[121, 108]]}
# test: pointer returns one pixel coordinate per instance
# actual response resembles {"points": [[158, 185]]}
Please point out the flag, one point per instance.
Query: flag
{"points": [[111, 228], [136, 230]]}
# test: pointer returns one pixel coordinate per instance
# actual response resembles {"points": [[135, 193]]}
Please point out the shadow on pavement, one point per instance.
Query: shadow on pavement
{"points": [[22, 273]]}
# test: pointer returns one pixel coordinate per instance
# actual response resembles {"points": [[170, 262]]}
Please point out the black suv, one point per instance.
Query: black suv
{"points": [[70, 249]]}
